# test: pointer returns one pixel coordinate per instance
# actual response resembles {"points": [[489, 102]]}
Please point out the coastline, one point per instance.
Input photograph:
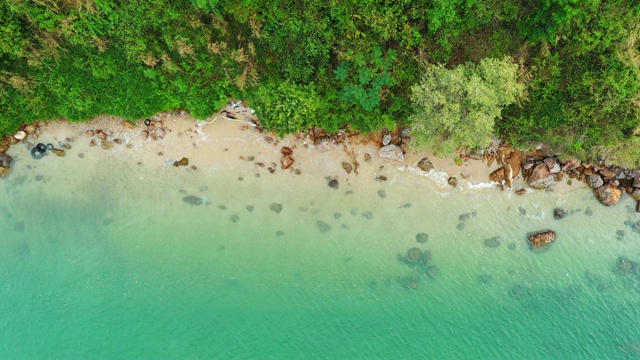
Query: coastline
{"points": [[224, 143]]}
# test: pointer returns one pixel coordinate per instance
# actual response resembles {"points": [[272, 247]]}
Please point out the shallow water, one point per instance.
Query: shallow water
{"points": [[111, 263]]}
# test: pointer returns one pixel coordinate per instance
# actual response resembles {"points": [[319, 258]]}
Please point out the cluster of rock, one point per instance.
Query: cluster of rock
{"points": [[542, 171], [420, 261], [155, 129], [105, 137], [626, 266]]}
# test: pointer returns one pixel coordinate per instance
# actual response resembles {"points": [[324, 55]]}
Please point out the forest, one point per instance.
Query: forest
{"points": [[458, 72]]}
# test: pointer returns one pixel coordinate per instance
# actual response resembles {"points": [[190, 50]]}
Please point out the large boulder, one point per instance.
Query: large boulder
{"points": [[542, 239], [541, 177], [570, 165], [391, 152], [553, 165], [608, 194], [497, 175]]}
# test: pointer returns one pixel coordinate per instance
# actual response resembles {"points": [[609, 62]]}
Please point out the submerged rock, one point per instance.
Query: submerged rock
{"points": [[425, 165], [367, 215], [193, 200], [323, 226], [347, 167], [414, 254], [560, 213], [422, 238], [182, 162], [249, 208], [382, 193], [277, 208], [333, 183], [492, 242], [58, 152]]}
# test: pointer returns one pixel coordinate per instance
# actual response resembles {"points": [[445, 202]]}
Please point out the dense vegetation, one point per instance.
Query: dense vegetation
{"points": [[333, 63]]}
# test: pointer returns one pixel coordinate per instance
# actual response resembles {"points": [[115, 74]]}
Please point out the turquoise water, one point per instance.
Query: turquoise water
{"points": [[110, 263]]}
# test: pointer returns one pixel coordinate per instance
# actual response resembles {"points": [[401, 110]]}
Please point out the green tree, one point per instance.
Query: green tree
{"points": [[458, 107]]}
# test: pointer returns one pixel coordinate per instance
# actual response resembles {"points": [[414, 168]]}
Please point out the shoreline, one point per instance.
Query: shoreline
{"points": [[223, 142]]}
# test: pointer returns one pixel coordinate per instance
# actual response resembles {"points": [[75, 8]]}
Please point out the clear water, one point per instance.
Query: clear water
{"points": [[108, 262]]}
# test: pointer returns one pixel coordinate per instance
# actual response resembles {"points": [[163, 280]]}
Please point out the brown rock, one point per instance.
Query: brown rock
{"points": [[541, 177], [367, 157], [608, 194], [635, 194], [425, 165], [570, 165], [30, 129], [182, 162], [93, 142], [542, 239], [101, 134], [347, 167], [608, 173], [106, 144], [90, 132], [4, 170], [497, 175], [286, 151], [516, 162], [453, 181], [286, 162], [117, 141], [128, 125], [66, 146], [58, 152], [521, 191]]}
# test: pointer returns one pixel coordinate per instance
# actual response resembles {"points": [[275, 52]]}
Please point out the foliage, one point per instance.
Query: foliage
{"points": [[287, 107], [458, 107]]}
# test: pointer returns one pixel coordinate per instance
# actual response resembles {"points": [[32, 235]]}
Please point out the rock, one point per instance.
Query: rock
{"points": [[386, 140], [106, 144], [30, 129], [541, 177], [638, 206], [93, 142], [271, 170], [118, 141], [323, 226], [347, 167], [452, 181], [570, 165], [381, 178], [4, 170], [608, 195], [297, 171], [497, 175], [58, 152], [6, 160], [425, 165], [66, 146], [249, 208], [635, 194], [333, 183], [432, 272], [515, 162], [391, 152], [182, 162], [128, 125], [521, 191], [414, 254], [625, 266], [559, 213], [608, 173], [492, 242], [286, 151], [325, 144], [101, 135], [193, 200], [595, 181], [553, 165], [367, 157], [20, 135], [636, 179], [422, 238], [90, 132], [286, 162], [382, 193], [367, 215], [275, 207], [542, 239]]}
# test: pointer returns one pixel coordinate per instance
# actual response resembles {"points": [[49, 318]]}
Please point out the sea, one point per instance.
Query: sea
{"points": [[115, 259]]}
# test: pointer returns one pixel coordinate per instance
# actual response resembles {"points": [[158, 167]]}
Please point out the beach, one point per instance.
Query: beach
{"points": [[117, 252]]}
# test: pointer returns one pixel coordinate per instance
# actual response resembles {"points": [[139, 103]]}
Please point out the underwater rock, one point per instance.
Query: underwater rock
{"points": [[426, 257], [560, 213], [106, 144], [337, 215], [413, 255], [235, 218], [492, 242], [484, 279], [422, 238], [333, 183], [460, 226], [193, 200], [382, 193], [432, 271], [275, 207], [249, 208], [453, 181], [367, 215], [410, 282], [620, 235], [58, 152], [182, 162], [323, 226], [367, 157], [625, 266], [4, 170], [381, 178], [542, 239], [521, 191]]}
